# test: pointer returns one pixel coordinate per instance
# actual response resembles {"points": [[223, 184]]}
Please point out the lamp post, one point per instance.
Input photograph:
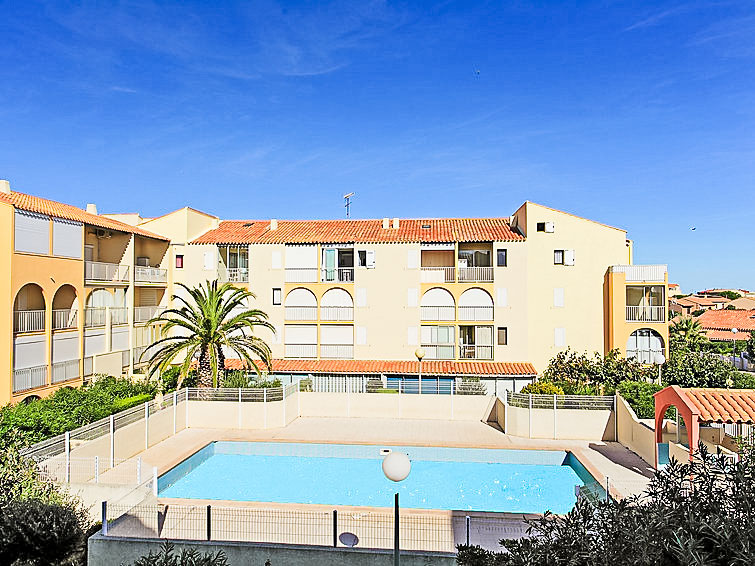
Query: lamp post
{"points": [[396, 467], [734, 344], [659, 360], [420, 353]]}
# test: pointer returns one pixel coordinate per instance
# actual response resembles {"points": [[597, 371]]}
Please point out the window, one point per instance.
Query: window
{"points": [[179, 262], [558, 257], [362, 258], [503, 335], [276, 296], [541, 226], [209, 260], [501, 258]]}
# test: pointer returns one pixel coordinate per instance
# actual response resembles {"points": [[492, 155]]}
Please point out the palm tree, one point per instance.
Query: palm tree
{"points": [[215, 317], [689, 330]]}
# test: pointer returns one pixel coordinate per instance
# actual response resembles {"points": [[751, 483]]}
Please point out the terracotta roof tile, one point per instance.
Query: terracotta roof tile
{"points": [[40, 205], [430, 367], [742, 320], [723, 405], [361, 231]]}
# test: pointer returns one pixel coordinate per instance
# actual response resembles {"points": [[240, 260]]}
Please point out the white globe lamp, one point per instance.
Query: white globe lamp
{"points": [[396, 466]]}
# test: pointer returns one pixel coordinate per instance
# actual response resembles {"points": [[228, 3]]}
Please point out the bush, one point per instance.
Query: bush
{"points": [[686, 368], [543, 388], [598, 371], [639, 395], [169, 379], [744, 380], [188, 557], [236, 380], [471, 386], [128, 402]]}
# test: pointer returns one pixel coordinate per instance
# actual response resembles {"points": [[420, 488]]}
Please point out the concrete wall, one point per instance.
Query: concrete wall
{"points": [[561, 424], [634, 434]]}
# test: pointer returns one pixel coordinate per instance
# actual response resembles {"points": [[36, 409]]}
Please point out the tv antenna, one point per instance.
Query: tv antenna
{"points": [[347, 199]]}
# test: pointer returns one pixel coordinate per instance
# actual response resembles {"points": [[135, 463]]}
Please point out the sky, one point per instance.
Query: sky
{"points": [[638, 115]]}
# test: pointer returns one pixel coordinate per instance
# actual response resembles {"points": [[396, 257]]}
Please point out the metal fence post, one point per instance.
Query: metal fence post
{"points": [[112, 441], [506, 411], [139, 470], [555, 426], [264, 406], [175, 397], [68, 456], [335, 527], [209, 522], [283, 392], [453, 382], [239, 411], [607, 488], [529, 415], [467, 520], [348, 396], [96, 469], [154, 481], [298, 398], [146, 425], [104, 518], [186, 409]]}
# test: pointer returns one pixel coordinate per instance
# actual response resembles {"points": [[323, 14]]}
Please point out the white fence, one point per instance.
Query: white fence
{"points": [[645, 314], [475, 274], [445, 312], [301, 313], [150, 274], [101, 271], [476, 312], [63, 371], [29, 321], [337, 313], [64, 318], [29, 378], [433, 274]]}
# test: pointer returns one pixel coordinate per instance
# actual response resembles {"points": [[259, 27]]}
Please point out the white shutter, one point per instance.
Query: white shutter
{"points": [[209, 260], [568, 257], [412, 297], [559, 337], [361, 335], [558, 297], [412, 259], [370, 259], [336, 334], [301, 257], [411, 336], [362, 297], [301, 334], [502, 297], [67, 238], [275, 260], [32, 232], [484, 336]]}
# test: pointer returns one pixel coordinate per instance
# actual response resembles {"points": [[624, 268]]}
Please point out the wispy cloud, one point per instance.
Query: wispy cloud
{"points": [[656, 18]]}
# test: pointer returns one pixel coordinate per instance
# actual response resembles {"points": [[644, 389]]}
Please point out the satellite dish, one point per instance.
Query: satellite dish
{"points": [[349, 539]]}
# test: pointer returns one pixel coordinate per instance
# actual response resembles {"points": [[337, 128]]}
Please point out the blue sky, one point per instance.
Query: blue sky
{"points": [[637, 115]]}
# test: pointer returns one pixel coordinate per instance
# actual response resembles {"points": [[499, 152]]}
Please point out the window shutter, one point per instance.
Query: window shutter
{"points": [[559, 337], [370, 259], [209, 260], [412, 297], [362, 297], [275, 260], [502, 297], [361, 335], [411, 336], [32, 232], [568, 257], [558, 297], [67, 238], [412, 259]]}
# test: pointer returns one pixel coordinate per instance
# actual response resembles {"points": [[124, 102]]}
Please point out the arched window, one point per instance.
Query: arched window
{"points": [[301, 304], [475, 304], [644, 345], [336, 304], [437, 304], [64, 308], [29, 309]]}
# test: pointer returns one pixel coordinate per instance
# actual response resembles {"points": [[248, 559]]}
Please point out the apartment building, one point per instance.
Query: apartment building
{"points": [[491, 298], [78, 291]]}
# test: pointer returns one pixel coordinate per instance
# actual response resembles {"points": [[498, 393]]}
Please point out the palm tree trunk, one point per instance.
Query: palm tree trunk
{"points": [[221, 365], [205, 369]]}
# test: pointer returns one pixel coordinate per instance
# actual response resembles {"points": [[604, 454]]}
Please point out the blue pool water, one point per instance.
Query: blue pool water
{"points": [[523, 481]]}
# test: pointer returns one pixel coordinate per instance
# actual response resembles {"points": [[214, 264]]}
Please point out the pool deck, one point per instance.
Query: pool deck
{"points": [[627, 472]]}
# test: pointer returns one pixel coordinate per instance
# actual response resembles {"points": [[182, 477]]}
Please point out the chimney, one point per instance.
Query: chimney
{"points": [[273, 224], [91, 208], [386, 224], [4, 186], [395, 223]]}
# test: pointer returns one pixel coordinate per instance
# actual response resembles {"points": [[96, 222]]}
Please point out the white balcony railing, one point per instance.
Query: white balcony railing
{"points": [[64, 371], [63, 319], [118, 315], [336, 313], [301, 275], [644, 356], [301, 313], [138, 352], [438, 313], [337, 351], [237, 275], [301, 350], [476, 313], [437, 274], [338, 275], [88, 366], [125, 358], [145, 314], [641, 273], [29, 378], [150, 274], [646, 314], [438, 351], [475, 274], [29, 321], [94, 316], [101, 271], [475, 352]]}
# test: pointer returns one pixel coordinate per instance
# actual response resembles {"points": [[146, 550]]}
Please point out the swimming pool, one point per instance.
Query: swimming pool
{"points": [[521, 481]]}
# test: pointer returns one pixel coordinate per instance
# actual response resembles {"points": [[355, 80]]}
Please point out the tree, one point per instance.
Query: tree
{"points": [[688, 330], [750, 347], [698, 513], [569, 369], [215, 316], [688, 368]]}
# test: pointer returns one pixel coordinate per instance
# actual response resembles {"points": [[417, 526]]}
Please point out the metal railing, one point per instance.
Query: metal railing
{"points": [[438, 312], [476, 312], [641, 273], [150, 274], [29, 321], [94, 316], [301, 275], [337, 274], [337, 351], [125, 358], [646, 313], [437, 274], [644, 356], [29, 378], [336, 313], [118, 315], [439, 351], [145, 314], [63, 319], [64, 371], [236, 275], [475, 274], [475, 352], [585, 402], [301, 313], [88, 366], [301, 350], [101, 271], [138, 359]]}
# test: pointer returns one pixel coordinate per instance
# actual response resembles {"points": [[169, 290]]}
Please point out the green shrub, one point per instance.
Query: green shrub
{"points": [[188, 557], [639, 395], [744, 380], [236, 380], [305, 385], [598, 371], [543, 388], [384, 390], [128, 402], [471, 386], [169, 379]]}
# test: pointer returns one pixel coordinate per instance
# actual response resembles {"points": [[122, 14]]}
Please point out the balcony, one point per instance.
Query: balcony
{"points": [[64, 319], [337, 351], [301, 275], [301, 350], [336, 313], [138, 352], [475, 275], [101, 272], [301, 313], [29, 321], [337, 275], [476, 312], [145, 314], [646, 314], [150, 274], [444, 312], [438, 351], [236, 275], [94, 316], [437, 274], [641, 273], [475, 352], [118, 315], [29, 378], [65, 371]]}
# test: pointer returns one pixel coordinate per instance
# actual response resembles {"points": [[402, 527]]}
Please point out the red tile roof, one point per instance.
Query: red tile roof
{"points": [[742, 320], [362, 231], [40, 205], [723, 405], [430, 367]]}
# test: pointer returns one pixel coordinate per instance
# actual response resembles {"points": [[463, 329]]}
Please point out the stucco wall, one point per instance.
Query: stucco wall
{"points": [[633, 434], [562, 424]]}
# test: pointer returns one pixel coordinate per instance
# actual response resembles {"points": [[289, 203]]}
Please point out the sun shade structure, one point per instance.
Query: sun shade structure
{"points": [[696, 405]]}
